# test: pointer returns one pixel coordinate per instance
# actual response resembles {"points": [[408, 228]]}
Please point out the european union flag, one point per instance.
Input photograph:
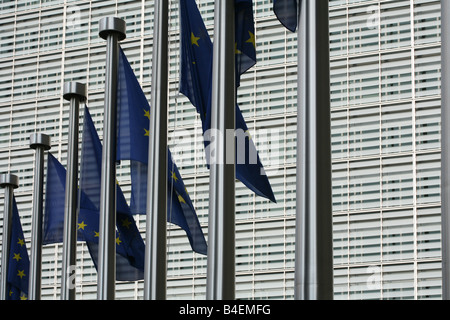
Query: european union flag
{"points": [[19, 263], [132, 144], [180, 210], [196, 61], [198, 89], [245, 47], [91, 167], [130, 246], [195, 84], [132, 132], [54, 201], [286, 12]]}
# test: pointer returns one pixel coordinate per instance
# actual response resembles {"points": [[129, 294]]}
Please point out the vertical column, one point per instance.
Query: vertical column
{"points": [[445, 168], [156, 252], [73, 92], [112, 30], [40, 142], [9, 182], [221, 229], [314, 250]]}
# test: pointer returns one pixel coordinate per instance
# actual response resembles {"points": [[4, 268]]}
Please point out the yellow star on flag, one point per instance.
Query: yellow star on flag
{"points": [[126, 223], [180, 198], [147, 114], [17, 256], [21, 273], [96, 234], [174, 176], [118, 241], [251, 39], [81, 225], [194, 39], [23, 297], [21, 242], [236, 50], [147, 133]]}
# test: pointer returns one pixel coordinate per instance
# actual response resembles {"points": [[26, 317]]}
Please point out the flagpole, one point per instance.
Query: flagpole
{"points": [[155, 252], [40, 142], [314, 255], [112, 30], [74, 92], [221, 229], [445, 179], [9, 182]]}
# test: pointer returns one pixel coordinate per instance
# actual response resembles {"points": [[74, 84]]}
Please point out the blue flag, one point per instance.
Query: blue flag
{"points": [[196, 61], [133, 123], [286, 12], [196, 83], [132, 144], [54, 201], [245, 47], [19, 263], [181, 211], [91, 168], [130, 246]]}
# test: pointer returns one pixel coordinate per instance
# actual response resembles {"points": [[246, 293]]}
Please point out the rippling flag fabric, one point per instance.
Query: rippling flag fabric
{"points": [[287, 13], [196, 83], [132, 144], [19, 263]]}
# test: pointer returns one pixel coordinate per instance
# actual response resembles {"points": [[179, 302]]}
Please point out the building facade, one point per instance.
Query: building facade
{"points": [[385, 110]]}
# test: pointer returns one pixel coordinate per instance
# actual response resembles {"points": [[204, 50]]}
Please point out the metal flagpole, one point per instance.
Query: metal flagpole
{"points": [[314, 255], [111, 29], [445, 153], [221, 229], [9, 182], [155, 252], [73, 92], [40, 142]]}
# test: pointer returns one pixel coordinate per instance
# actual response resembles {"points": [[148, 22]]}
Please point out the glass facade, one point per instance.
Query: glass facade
{"points": [[385, 110], [385, 100]]}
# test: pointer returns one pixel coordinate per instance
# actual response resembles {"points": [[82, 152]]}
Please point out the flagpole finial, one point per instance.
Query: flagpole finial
{"points": [[74, 90], [8, 179], [110, 25], [40, 140]]}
